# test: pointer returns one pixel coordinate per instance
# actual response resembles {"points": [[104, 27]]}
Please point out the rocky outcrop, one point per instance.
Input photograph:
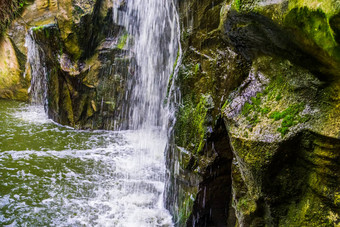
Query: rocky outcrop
{"points": [[13, 84], [85, 65], [78, 52], [256, 135], [258, 114], [9, 10]]}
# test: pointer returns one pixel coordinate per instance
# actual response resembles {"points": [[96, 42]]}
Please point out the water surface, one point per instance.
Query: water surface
{"points": [[56, 176]]}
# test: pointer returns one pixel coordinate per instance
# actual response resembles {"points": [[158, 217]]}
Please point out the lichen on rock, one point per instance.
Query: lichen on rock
{"points": [[272, 71]]}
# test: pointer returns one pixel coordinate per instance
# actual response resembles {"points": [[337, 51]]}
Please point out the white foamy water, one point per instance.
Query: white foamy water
{"points": [[56, 176], [37, 69], [152, 31], [78, 178]]}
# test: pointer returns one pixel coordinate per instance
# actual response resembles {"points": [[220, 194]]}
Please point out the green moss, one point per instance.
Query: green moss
{"points": [[252, 109], [314, 25], [247, 108], [185, 35], [225, 105], [185, 209], [278, 97], [197, 68], [122, 41], [265, 110], [254, 119], [38, 28], [246, 205], [192, 123], [237, 4], [290, 117], [47, 33], [171, 77]]}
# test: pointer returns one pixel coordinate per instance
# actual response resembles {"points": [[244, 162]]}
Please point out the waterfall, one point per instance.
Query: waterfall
{"points": [[37, 69], [152, 37], [154, 43], [127, 185]]}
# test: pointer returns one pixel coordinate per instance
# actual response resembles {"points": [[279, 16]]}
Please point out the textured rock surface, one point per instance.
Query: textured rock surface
{"points": [[79, 47], [270, 70], [13, 84], [84, 60], [256, 138]]}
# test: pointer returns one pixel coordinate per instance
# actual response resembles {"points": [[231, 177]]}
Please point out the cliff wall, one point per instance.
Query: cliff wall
{"points": [[256, 136]]}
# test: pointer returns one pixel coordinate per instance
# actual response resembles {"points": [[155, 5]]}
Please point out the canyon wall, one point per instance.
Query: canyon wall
{"points": [[255, 140]]}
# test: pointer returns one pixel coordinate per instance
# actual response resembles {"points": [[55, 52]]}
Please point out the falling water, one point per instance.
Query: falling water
{"points": [[57, 176], [152, 26], [37, 69]]}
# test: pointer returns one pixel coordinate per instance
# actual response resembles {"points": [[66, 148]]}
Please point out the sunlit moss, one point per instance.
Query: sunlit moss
{"points": [[122, 41], [192, 124]]}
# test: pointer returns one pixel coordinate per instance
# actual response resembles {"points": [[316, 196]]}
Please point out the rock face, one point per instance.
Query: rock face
{"points": [[78, 52], [255, 139], [13, 84], [82, 79], [256, 136]]}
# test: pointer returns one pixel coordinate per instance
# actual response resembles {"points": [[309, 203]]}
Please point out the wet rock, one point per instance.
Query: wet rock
{"points": [[271, 69]]}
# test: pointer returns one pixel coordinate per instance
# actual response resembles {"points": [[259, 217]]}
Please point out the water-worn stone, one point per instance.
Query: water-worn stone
{"points": [[272, 71], [79, 43], [12, 82], [256, 135]]}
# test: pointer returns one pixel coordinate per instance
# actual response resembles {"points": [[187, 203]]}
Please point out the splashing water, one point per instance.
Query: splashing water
{"points": [[37, 68], [56, 176], [152, 26]]}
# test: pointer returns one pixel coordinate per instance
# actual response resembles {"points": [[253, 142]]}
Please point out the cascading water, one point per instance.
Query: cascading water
{"points": [[152, 26], [57, 176], [35, 60]]}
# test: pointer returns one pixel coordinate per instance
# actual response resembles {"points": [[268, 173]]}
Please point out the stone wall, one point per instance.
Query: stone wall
{"points": [[270, 71]]}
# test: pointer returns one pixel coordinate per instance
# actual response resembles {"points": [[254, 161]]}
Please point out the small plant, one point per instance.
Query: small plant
{"points": [[290, 117], [255, 107], [122, 41], [278, 97], [197, 68]]}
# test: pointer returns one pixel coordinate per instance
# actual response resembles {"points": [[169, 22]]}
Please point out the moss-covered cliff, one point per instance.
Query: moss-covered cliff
{"points": [[270, 70], [79, 48], [82, 58], [13, 84], [256, 136]]}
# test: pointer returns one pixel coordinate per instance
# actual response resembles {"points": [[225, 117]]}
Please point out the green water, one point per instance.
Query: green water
{"points": [[56, 176]]}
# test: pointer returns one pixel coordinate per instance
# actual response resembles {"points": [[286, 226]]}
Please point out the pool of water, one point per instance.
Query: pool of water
{"points": [[52, 175]]}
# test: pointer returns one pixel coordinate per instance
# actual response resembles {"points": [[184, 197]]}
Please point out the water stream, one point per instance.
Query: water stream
{"points": [[52, 175], [56, 176], [151, 26]]}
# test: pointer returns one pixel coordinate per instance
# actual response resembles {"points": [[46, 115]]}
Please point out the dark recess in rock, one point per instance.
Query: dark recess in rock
{"points": [[212, 206]]}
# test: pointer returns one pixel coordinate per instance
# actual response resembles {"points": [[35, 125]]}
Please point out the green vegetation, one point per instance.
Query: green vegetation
{"points": [[278, 97], [247, 205], [197, 68], [171, 77], [122, 41], [314, 25], [38, 28], [192, 123], [290, 117], [8, 11], [254, 107], [186, 208], [237, 4]]}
